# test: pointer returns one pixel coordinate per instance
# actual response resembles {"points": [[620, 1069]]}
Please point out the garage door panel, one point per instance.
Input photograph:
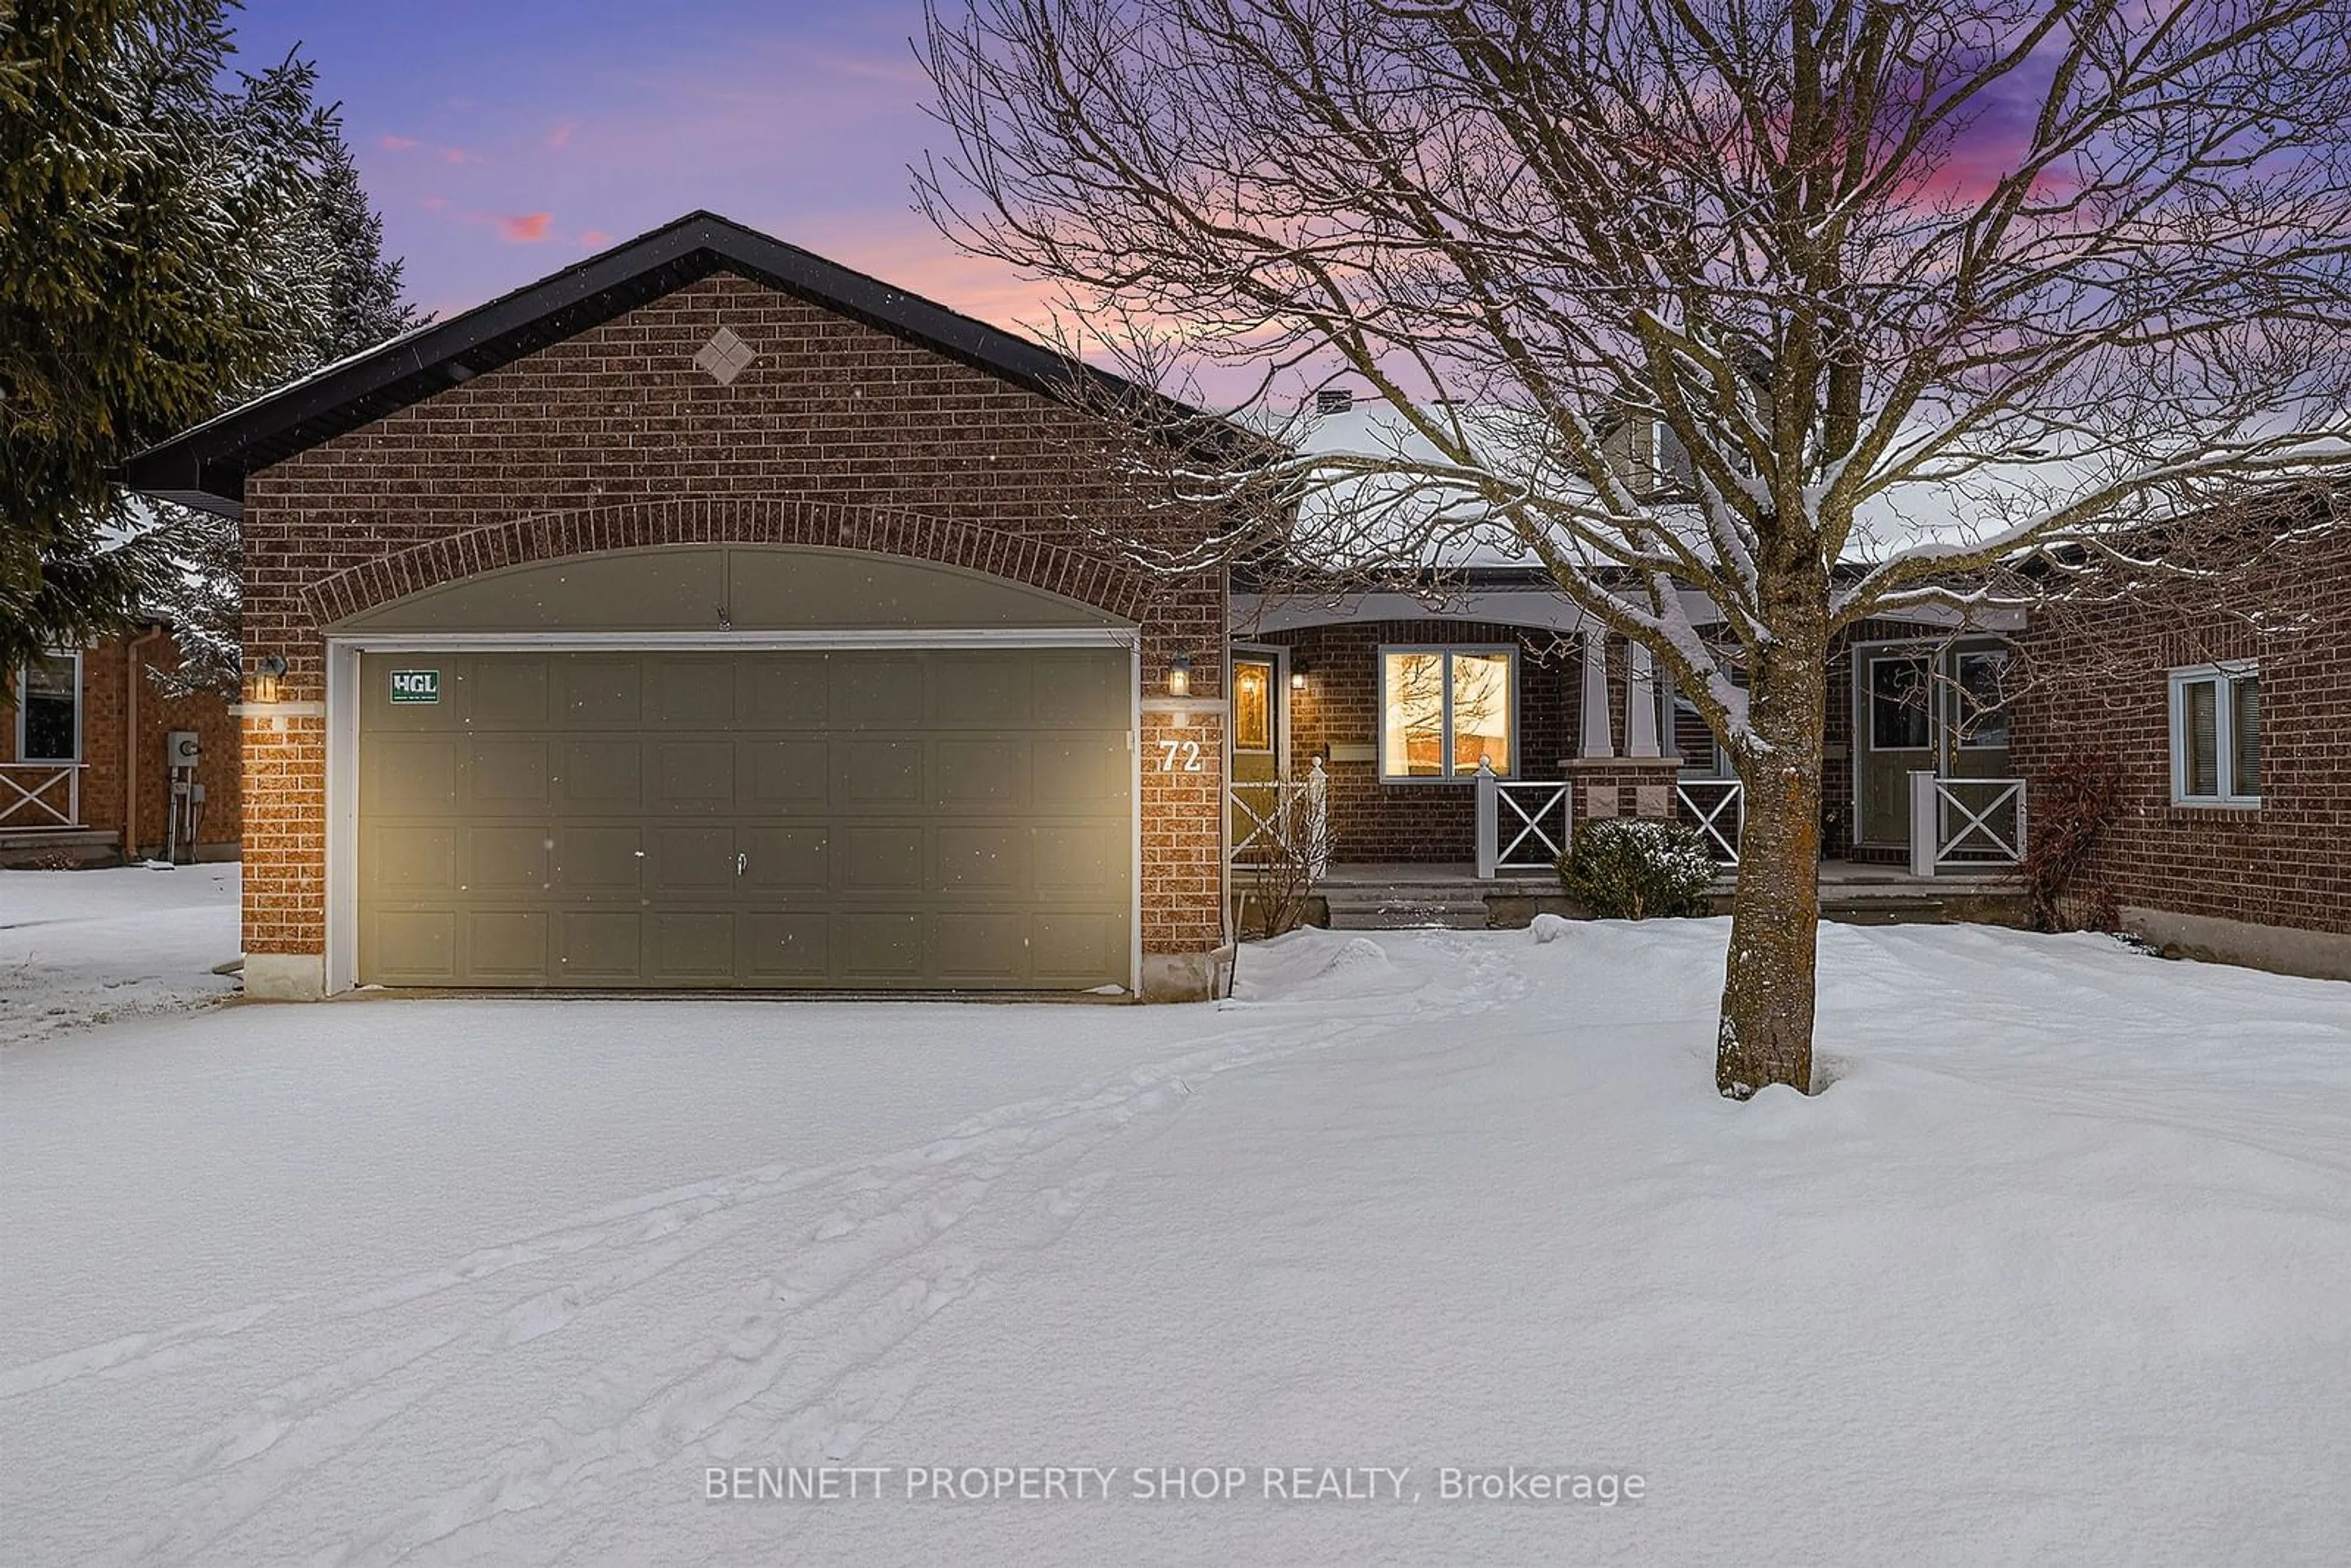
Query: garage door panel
{"points": [[508, 860], [787, 861], [880, 858], [507, 773], [602, 691], [786, 948], [414, 860], [903, 818], [508, 693], [984, 858], [507, 944], [1077, 948], [783, 776], [691, 948], [596, 947], [875, 691], [980, 691], [690, 691], [1081, 860], [879, 773], [880, 946], [980, 945], [1091, 772], [782, 691], [981, 774], [412, 947], [408, 774], [693, 860], [602, 775], [599, 861]]}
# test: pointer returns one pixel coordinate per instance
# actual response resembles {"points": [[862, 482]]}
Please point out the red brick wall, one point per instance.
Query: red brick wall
{"points": [[2100, 686], [1371, 820], [104, 715], [837, 434]]}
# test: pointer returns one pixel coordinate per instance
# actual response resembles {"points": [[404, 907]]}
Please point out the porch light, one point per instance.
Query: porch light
{"points": [[268, 674], [1298, 675], [1179, 675]]}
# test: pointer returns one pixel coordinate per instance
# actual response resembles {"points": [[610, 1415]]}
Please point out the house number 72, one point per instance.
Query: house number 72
{"points": [[1187, 749]]}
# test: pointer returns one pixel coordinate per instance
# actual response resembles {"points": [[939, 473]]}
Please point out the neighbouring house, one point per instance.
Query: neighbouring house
{"points": [[99, 765], [708, 614]]}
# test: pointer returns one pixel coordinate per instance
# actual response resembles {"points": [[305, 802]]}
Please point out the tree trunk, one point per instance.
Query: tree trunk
{"points": [[1770, 976]]}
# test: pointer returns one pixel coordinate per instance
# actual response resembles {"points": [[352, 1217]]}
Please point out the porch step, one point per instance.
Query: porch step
{"points": [[1354, 909]]}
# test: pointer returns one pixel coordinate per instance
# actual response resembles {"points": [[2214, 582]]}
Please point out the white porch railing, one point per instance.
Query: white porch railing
{"points": [[40, 794], [1717, 808], [1522, 823], [1270, 814], [1989, 814]]}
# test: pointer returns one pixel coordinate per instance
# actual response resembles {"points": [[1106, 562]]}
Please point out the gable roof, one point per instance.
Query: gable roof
{"points": [[206, 467]]}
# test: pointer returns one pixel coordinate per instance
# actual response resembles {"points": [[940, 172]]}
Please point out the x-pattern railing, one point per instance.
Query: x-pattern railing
{"points": [[1531, 806], [29, 799], [1718, 809], [1979, 823], [1272, 814]]}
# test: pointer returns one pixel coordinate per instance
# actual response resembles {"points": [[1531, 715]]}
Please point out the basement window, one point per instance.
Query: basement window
{"points": [[48, 709], [2216, 736], [1444, 710]]}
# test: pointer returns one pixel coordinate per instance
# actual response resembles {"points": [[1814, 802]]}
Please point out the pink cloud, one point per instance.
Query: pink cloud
{"points": [[594, 237], [401, 144], [460, 155], [433, 203], [561, 135], [524, 228]]}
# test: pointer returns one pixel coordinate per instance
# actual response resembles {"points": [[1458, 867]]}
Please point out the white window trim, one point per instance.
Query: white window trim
{"points": [[2224, 734], [1380, 695], [81, 704]]}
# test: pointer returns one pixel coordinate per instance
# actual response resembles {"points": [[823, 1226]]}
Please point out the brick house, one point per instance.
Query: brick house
{"points": [[709, 614], [89, 772]]}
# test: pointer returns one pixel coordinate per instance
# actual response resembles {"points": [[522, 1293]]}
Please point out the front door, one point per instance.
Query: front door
{"points": [[1939, 710], [1896, 733], [1258, 692]]}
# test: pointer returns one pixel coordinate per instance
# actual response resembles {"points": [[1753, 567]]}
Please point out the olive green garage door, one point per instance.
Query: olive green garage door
{"points": [[935, 819]]}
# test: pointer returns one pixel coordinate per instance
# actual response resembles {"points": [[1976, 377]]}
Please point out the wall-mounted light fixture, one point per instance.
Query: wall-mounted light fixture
{"points": [[1297, 674], [1179, 675], [269, 677]]}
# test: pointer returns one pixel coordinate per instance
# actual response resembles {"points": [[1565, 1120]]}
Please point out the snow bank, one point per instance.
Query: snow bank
{"points": [[2053, 1272]]}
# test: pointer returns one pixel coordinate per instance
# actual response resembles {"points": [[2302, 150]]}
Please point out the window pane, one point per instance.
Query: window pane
{"points": [[2199, 730], [1482, 711], [2245, 735], [51, 697], [1252, 706], [1983, 719], [1898, 703], [1412, 700]]}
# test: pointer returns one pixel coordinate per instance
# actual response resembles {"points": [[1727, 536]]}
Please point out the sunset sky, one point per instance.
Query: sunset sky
{"points": [[502, 138]]}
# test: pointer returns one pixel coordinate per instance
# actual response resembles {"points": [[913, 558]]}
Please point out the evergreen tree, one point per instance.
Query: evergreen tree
{"points": [[148, 260], [204, 596]]}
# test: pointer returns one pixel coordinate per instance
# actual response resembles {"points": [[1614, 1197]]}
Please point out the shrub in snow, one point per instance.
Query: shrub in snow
{"points": [[1637, 868]]}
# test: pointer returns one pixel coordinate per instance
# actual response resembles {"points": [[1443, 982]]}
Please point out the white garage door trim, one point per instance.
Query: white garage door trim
{"points": [[342, 804]]}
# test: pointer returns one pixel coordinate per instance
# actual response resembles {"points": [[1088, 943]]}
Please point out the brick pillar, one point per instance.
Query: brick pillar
{"points": [[1181, 760], [1605, 787]]}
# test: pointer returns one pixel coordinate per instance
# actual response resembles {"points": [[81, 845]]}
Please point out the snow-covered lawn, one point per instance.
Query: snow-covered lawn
{"points": [[78, 948], [2059, 1269]]}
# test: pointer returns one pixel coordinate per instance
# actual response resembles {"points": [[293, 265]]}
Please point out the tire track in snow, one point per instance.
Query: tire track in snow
{"points": [[799, 1360]]}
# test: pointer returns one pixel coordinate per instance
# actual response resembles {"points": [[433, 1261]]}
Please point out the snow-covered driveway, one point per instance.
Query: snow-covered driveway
{"points": [[2059, 1269]]}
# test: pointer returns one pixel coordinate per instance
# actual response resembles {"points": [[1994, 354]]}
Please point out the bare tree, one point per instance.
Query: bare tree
{"points": [[1887, 294]]}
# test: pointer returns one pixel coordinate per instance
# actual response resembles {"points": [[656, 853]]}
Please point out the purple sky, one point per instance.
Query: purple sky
{"points": [[503, 139]]}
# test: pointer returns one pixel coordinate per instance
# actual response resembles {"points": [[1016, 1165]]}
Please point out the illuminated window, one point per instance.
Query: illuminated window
{"points": [[1444, 710], [2216, 736], [1252, 706]]}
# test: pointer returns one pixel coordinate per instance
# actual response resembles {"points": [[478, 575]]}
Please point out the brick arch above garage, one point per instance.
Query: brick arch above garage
{"points": [[1110, 587]]}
